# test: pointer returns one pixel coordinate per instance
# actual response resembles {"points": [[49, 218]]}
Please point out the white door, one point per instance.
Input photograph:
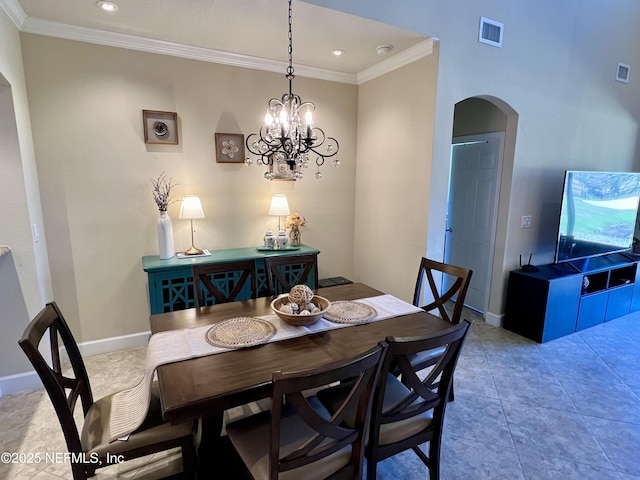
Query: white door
{"points": [[472, 211]]}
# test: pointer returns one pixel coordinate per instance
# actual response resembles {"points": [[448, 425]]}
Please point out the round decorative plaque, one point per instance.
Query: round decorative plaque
{"points": [[346, 311], [240, 332], [160, 129]]}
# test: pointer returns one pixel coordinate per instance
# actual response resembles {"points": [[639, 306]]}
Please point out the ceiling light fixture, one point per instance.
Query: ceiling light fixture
{"points": [[107, 6], [286, 140], [337, 52]]}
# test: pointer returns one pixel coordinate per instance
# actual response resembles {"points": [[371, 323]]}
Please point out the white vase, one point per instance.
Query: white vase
{"points": [[165, 236], [269, 239], [281, 240]]}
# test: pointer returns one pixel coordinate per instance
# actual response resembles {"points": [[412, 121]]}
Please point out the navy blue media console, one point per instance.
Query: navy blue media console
{"points": [[561, 298]]}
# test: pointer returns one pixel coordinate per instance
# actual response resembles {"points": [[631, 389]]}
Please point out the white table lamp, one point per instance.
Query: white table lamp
{"points": [[191, 208], [279, 207]]}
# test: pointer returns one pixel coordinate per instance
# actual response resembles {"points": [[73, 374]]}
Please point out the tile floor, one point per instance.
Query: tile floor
{"points": [[568, 409]]}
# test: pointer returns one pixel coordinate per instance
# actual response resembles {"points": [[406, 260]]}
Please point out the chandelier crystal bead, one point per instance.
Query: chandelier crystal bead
{"points": [[289, 135]]}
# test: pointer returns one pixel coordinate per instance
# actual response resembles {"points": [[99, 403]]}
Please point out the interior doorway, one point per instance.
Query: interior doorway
{"points": [[472, 206], [477, 151]]}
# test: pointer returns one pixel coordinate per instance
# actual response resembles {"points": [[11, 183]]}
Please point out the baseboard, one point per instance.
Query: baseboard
{"points": [[19, 382], [493, 319], [114, 344], [30, 380]]}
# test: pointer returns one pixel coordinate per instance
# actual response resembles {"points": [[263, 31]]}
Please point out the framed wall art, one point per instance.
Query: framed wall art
{"points": [[160, 127], [229, 148]]}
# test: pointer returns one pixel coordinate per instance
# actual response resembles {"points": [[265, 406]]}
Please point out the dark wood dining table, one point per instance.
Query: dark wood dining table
{"points": [[206, 386]]}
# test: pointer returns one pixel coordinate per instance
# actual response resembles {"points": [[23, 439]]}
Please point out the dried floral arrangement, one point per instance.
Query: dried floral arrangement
{"points": [[162, 191], [294, 222]]}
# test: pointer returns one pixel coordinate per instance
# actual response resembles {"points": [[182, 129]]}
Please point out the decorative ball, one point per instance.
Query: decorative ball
{"points": [[286, 309], [301, 294]]}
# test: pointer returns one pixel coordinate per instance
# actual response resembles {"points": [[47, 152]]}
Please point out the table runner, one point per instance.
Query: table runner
{"points": [[129, 406]]}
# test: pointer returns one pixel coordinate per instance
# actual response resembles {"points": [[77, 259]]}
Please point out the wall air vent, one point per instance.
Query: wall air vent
{"points": [[490, 32], [622, 73]]}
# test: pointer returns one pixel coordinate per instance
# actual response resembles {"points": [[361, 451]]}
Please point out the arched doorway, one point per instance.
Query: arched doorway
{"points": [[482, 127]]}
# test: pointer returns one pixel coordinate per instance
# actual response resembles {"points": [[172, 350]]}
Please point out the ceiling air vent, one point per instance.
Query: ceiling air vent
{"points": [[622, 74], [490, 32]]}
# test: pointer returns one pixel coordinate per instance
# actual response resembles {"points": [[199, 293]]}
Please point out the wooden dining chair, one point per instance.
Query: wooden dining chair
{"points": [[458, 280], [223, 282], [285, 271], [64, 384], [409, 413], [298, 438]]}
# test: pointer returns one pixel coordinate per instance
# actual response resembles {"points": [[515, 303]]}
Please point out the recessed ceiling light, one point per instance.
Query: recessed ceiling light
{"points": [[107, 6], [337, 52]]}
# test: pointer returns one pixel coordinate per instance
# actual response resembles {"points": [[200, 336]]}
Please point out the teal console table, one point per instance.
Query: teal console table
{"points": [[171, 282]]}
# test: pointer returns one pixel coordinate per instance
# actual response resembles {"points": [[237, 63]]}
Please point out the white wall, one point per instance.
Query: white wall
{"points": [[86, 105]]}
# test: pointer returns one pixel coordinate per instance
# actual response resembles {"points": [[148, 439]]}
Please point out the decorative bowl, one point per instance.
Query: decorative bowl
{"points": [[300, 320]]}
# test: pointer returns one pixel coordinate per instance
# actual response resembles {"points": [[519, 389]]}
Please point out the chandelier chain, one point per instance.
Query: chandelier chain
{"points": [[290, 69]]}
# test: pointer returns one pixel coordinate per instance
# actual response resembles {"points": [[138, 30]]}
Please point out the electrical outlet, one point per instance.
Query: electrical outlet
{"points": [[526, 221]]}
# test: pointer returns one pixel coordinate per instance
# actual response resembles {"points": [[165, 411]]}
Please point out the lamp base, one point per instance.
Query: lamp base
{"points": [[193, 251]]}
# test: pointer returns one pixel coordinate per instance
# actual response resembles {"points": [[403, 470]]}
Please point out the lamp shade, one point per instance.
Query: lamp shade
{"points": [[191, 207], [279, 205]]}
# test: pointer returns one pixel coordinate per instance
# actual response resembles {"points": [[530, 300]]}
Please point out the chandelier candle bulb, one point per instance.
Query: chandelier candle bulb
{"points": [[308, 118]]}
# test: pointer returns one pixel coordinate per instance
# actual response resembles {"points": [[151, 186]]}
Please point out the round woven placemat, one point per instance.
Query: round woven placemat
{"points": [[240, 332], [346, 311]]}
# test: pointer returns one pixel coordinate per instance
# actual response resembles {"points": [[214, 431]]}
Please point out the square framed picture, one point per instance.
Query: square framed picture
{"points": [[229, 148], [160, 127]]}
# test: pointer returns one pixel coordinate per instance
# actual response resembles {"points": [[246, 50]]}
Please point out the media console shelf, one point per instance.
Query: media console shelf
{"points": [[562, 298]]}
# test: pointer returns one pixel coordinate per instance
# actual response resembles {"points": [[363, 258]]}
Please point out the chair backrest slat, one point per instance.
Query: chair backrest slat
{"points": [[457, 290], [286, 271], [430, 393], [56, 382], [234, 276], [330, 434]]}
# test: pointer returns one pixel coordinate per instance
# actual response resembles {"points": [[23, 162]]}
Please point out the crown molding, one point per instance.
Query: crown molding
{"points": [[14, 11], [398, 60], [132, 42]]}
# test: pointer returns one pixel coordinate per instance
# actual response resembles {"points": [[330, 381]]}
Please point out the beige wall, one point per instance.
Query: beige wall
{"points": [[395, 137], [86, 103], [24, 283]]}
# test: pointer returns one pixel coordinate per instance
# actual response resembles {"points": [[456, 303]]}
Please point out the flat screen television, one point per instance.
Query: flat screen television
{"points": [[598, 214]]}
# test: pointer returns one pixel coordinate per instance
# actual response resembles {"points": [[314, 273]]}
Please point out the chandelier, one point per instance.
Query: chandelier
{"points": [[288, 140]]}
